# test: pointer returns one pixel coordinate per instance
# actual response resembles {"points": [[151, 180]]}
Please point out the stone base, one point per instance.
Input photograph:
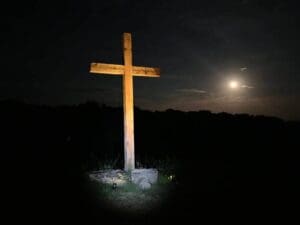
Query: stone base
{"points": [[143, 178], [112, 177]]}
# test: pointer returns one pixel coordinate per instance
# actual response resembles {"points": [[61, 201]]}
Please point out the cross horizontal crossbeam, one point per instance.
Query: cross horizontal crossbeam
{"points": [[116, 69]]}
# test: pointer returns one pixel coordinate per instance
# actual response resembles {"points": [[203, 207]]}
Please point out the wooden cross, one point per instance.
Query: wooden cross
{"points": [[128, 71]]}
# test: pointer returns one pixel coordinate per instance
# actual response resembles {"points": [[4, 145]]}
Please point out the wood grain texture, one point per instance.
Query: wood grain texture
{"points": [[115, 69], [128, 104]]}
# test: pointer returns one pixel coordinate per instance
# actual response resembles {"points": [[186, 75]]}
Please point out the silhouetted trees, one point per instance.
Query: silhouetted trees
{"points": [[45, 151]]}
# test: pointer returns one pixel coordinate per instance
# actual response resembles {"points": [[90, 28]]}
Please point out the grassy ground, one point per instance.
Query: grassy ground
{"points": [[129, 198]]}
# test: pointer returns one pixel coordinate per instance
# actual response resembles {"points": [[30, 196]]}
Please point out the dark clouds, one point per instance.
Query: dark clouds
{"points": [[198, 45]]}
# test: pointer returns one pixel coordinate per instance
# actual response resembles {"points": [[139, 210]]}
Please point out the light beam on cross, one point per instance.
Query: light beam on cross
{"points": [[127, 71]]}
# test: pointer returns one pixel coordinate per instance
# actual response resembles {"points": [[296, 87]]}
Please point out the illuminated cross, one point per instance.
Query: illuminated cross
{"points": [[128, 71]]}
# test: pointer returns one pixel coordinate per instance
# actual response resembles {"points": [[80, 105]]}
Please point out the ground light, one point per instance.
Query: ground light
{"points": [[122, 195]]}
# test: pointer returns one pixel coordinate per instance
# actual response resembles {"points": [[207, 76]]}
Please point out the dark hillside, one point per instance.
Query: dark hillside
{"points": [[217, 158]]}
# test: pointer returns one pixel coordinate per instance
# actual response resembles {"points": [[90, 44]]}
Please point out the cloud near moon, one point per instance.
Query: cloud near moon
{"points": [[196, 91], [246, 86]]}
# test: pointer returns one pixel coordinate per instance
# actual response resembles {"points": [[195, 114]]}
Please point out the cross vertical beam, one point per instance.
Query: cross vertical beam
{"points": [[127, 71], [128, 105]]}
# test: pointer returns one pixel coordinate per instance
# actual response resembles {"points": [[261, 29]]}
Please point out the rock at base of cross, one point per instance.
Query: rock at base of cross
{"points": [[110, 176], [143, 178]]}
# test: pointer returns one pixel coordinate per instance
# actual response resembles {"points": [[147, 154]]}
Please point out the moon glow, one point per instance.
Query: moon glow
{"points": [[233, 84]]}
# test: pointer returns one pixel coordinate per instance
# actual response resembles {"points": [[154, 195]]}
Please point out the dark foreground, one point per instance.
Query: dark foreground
{"points": [[239, 169]]}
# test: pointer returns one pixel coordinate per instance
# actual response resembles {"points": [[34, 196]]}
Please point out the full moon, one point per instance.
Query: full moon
{"points": [[233, 84]]}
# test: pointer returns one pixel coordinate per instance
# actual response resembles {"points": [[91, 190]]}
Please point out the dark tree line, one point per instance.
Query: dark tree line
{"points": [[45, 152]]}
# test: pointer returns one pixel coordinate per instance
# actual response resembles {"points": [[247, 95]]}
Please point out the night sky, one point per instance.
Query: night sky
{"points": [[199, 45]]}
